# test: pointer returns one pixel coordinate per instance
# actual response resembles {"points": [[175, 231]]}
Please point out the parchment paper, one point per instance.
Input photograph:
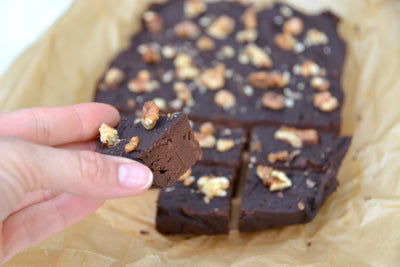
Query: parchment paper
{"points": [[357, 226]]}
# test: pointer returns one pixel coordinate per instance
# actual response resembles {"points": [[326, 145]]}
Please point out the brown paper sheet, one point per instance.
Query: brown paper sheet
{"points": [[358, 225]]}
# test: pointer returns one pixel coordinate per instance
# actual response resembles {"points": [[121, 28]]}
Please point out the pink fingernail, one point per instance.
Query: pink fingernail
{"points": [[134, 176]]}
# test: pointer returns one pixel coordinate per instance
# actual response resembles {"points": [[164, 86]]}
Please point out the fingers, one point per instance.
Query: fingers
{"points": [[34, 198], [57, 126], [88, 145], [26, 167], [40, 221]]}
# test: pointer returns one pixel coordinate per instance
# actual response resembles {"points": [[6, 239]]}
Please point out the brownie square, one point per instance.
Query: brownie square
{"points": [[182, 209]]}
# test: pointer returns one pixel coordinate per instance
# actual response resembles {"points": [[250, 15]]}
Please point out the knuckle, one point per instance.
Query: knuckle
{"points": [[91, 166]]}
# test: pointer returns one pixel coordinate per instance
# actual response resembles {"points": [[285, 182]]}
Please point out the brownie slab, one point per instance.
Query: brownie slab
{"points": [[262, 209], [183, 210], [169, 149]]}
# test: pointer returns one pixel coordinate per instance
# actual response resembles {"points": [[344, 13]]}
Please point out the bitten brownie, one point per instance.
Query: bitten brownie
{"points": [[199, 204], [169, 149]]}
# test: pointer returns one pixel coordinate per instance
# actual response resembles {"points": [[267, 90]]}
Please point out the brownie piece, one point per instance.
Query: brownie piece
{"points": [[265, 148], [221, 146], [262, 209], [169, 149], [182, 209], [309, 62]]}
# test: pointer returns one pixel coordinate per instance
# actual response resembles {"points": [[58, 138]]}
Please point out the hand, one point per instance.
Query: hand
{"points": [[50, 177]]}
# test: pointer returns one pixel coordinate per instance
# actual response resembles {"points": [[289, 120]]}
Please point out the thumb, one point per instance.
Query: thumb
{"points": [[25, 167]]}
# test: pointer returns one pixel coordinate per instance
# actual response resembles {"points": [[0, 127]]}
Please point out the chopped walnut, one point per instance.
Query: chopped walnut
{"points": [[187, 30], [176, 104], [301, 206], [308, 68], [213, 78], [153, 22], [325, 101], [258, 57], [249, 18], [114, 77], [205, 43], [207, 128], [274, 179], [183, 92], [142, 83], [131, 102], [285, 41], [185, 70], [160, 102], [273, 101], [108, 135], [132, 145], [282, 155], [221, 28], [247, 36], [149, 55], [168, 51], [213, 186], [228, 51], [320, 84], [265, 79], [193, 8], [187, 174], [315, 37], [293, 26], [150, 114], [225, 144], [205, 140], [296, 137], [225, 99], [183, 60]]}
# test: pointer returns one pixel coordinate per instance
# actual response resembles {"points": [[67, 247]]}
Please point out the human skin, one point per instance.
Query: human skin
{"points": [[50, 176]]}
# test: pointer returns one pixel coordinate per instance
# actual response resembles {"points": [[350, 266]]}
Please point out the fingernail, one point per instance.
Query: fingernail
{"points": [[134, 176]]}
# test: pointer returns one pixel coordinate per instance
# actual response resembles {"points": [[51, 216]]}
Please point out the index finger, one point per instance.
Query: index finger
{"points": [[59, 125]]}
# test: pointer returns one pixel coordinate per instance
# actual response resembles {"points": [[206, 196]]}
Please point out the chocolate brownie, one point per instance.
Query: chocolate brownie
{"points": [[221, 146], [278, 65], [169, 149], [270, 145], [183, 208], [299, 203]]}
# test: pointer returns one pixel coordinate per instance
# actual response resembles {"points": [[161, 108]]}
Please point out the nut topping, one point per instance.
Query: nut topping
{"points": [[224, 144], [185, 70], [142, 83], [132, 145], [108, 135], [315, 37], [319, 83], [273, 101], [160, 102], [193, 8], [325, 101], [150, 114], [225, 99], [205, 43], [213, 187], [274, 179], [149, 55], [213, 78], [249, 18], [207, 128], [258, 57], [114, 77], [205, 140], [296, 137], [183, 92], [187, 30], [221, 28], [308, 68], [247, 36], [265, 79], [168, 51], [293, 26], [153, 22], [285, 41], [282, 155]]}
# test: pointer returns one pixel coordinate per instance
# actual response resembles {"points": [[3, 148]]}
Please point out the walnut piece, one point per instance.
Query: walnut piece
{"points": [[225, 99], [193, 8], [293, 26], [285, 41], [265, 79], [213, 187], [187, 30], [108, 135], [258, 57], [187, 174], [320, 84], [153, 22], [143, 83], [247, 36], [205, 140], [114, 77], [132, 145], [183, 92], [249, 18], [207, 128], [273, 101], [160, 102], [282, 155], [149, 55], [297, 137], [168, 51], [315, 37], [205, 43], [150, 114], [185, 70], [221, 28], [325, 101], [308, 68], [213, 78], [225, 144], [274, 179]]}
